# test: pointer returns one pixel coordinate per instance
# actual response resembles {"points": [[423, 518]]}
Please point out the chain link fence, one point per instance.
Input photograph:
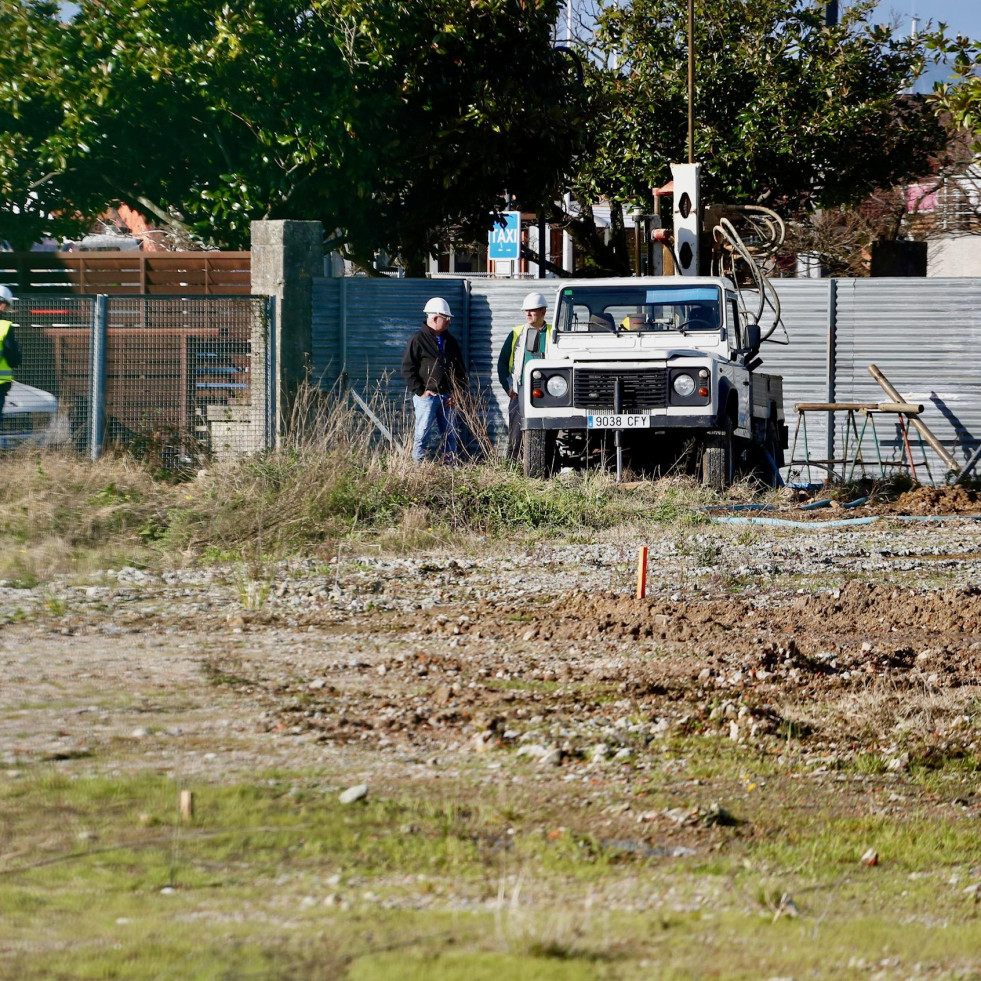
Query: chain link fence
{"points": [[170, 378]]}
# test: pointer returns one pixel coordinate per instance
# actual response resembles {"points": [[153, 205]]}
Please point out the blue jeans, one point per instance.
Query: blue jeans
{"points": [[433, 412]]}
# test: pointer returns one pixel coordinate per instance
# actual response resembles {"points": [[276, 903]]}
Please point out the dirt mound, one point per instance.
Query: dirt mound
{"points": [[938, 500], [725, 664], [837, 620]]}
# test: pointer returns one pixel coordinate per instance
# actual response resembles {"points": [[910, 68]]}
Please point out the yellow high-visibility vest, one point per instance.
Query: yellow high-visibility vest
{"points": [[6, 372], [518, 353]]}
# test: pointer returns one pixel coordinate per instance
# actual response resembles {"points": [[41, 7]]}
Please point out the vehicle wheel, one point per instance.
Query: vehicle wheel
{"points": [[718, 458], [538, 452]]}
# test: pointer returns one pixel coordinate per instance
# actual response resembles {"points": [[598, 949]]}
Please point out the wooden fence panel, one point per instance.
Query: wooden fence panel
{"points": [[128, 273]]}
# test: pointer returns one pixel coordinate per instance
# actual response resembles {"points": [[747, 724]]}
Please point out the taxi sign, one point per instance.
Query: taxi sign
{"points": [[505, 243]]}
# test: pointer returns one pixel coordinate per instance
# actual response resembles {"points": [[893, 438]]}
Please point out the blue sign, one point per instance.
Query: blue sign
{"points": [[505, 243]]}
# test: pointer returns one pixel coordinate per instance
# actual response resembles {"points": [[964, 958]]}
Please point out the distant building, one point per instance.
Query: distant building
{"points": [[946, 212]]}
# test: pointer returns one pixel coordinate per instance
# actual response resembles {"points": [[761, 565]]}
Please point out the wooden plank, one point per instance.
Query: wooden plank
{"points": [[129, 277], [175, 274], [167, 289], [102, 260], [160, 258], [833, 406], [160, 378], [181, 277]]}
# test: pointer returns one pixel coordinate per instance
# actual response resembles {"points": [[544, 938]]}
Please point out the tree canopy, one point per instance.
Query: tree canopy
{"points": [[27, 116], [386, 120], [392, 120], [961, 98], [789, 113]]}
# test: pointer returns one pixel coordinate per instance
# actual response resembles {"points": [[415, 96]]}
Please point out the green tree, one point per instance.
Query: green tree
{"points": [[789, 113], [960, 97], [385, 120], [27, 117]]}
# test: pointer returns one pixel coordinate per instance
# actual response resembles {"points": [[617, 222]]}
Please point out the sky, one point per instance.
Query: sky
{"points": [[960, 16]]}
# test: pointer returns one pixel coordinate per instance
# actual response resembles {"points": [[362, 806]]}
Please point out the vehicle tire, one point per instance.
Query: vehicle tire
{"points": [[538, 452], [719, 458]]}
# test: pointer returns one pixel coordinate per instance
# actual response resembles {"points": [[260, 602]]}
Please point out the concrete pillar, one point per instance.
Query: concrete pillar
{"points": [[286, 255]]}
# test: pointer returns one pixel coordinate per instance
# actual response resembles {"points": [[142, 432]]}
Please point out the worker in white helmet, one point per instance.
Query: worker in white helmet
{"points": [[435, 373], [510, 365], [10, 355]]}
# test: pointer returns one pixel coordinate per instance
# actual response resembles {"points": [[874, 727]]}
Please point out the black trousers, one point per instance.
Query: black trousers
{"points": [[514, 429], [4, 388]]}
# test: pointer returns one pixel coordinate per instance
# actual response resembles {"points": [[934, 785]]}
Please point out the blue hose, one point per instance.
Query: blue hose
{"points": [[787, 523], [842, 523]]}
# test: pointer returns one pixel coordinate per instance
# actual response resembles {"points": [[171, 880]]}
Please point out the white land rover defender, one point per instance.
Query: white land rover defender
{"points": [[659, 372]]}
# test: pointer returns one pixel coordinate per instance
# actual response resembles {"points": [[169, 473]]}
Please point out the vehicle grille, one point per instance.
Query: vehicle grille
{"points": [[643, 388]]}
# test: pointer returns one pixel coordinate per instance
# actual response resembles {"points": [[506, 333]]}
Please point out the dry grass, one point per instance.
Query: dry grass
{"points": [[60, 513], [334, 477]]}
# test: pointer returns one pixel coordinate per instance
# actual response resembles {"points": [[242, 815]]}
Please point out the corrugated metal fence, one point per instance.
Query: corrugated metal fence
{"points": [[924, 334], [169, 376]]}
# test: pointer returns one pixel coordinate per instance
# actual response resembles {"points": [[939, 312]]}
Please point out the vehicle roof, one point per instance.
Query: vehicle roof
{"points": [[642, 281]]}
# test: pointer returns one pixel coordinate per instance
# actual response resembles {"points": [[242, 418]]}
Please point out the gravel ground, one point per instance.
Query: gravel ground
{"points": [[376, 667]]}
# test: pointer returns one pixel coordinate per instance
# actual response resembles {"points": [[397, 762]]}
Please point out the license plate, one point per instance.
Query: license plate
{"points": [[615, 420]]}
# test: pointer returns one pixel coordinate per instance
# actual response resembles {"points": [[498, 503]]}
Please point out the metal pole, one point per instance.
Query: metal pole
{"points": [[466, 341], [691, 81], [832, 365], [568, 253], [618, 433], [921, 427], [542, 236], [272, 430], [97, 380], [342, 300]]}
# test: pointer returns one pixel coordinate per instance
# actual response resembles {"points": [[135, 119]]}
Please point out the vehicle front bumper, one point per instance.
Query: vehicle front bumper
{"points": [[688, 420]]}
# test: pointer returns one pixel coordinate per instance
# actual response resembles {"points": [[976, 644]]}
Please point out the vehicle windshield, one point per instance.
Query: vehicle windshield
{"points": [[614, 309]]}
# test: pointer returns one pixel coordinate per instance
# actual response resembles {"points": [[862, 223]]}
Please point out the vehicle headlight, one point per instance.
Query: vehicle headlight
{"points": [[684, 385], [557, 386]]}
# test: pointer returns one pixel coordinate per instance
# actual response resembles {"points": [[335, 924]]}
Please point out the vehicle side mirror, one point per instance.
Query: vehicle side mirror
{"points": [[753, 339], [532, 339]]}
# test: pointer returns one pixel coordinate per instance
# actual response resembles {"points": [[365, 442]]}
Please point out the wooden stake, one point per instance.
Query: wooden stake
{"points": [[187, 805], [641, 572]]}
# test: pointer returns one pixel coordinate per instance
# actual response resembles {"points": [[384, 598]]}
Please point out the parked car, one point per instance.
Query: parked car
{"points": [[29, 415]]}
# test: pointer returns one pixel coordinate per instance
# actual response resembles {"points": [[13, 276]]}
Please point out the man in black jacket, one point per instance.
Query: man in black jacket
{"points": [[433, 368]]}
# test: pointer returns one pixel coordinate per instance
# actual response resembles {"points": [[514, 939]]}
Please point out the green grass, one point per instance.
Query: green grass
{"points": [[276, 879]]}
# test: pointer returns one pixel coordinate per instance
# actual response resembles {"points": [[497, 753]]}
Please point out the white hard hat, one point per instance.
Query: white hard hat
{"points": [[5, 295], [534, 301], [437, 305]]}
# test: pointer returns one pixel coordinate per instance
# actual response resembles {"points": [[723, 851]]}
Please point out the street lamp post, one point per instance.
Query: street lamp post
{"points": [[691, 81]]}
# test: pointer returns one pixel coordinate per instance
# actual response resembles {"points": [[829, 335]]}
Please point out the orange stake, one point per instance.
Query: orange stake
{"points": [[641, 572]]}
